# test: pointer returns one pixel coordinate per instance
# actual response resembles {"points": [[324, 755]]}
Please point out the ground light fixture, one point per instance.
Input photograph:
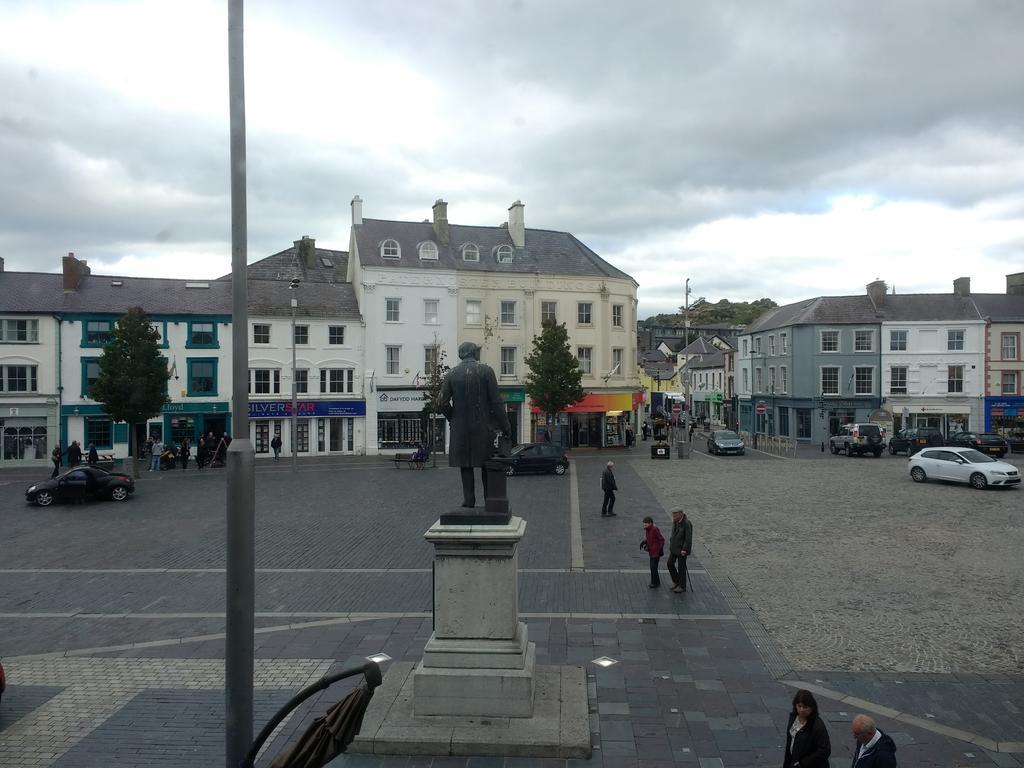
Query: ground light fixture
{"points": [[604, 661], [379, 658]]}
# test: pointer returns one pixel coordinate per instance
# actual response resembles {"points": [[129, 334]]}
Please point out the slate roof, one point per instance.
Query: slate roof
{"points": [[1000, 307], [714, 359], [906, 307], [545, 251], [286, 264], [43, 292], [315, 298]]}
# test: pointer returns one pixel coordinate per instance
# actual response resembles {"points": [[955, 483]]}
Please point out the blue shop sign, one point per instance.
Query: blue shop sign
{"points": [[282, 409]]}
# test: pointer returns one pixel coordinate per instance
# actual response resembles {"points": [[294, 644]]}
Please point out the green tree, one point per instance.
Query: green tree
{"points": [[435, 380], [132, 385], [554, 378]]}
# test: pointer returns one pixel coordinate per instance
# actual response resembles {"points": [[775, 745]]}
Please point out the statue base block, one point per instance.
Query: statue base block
{"points": [[559, 728], [469, 517], [475, 692]]}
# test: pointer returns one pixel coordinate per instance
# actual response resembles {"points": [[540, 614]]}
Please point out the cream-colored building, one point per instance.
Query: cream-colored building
{"points": [[506, 282]]}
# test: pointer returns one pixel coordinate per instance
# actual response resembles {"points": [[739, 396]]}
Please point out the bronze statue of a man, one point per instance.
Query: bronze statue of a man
{"points": [[470, 401]]}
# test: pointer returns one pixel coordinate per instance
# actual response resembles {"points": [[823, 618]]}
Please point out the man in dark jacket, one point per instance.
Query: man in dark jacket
{"points": [[470, 401], [680, 544], [609, 487], [874, 748], [74, 454]]}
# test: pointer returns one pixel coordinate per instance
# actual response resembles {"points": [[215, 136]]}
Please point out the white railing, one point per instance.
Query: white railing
{"points": [[776, 446]]}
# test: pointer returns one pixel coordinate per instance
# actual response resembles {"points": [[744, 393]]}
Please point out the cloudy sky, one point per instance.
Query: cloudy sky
{"points": [[783, 149]]}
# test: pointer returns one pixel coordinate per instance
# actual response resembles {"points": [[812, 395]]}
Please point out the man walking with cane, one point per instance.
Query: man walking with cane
{"points": [[680, 544]]}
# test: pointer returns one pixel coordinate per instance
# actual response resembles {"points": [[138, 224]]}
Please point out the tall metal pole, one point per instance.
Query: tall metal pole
{"points": [[686, 343], [295, 404], [241, 465]]}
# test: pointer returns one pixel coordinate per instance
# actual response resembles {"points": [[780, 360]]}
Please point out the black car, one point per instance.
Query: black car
{"points": [[725, 441], [910, 441], [536, 458], [985, 442], [80, 484]]}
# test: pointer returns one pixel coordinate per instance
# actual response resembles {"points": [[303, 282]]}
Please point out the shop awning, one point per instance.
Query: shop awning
{"points": [[595, 402]]}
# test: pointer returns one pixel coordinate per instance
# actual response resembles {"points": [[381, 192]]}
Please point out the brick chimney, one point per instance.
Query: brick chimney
{"points": [[962, 287], [1015, 284], [75, 271], [517, 224], [306, 250], [441, 221], [876, 292], [357, 211]]}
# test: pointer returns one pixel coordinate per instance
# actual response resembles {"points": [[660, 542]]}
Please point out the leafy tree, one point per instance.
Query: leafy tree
{"points": [[554, 380], [435, 380], [132, 385], [703, 312]]}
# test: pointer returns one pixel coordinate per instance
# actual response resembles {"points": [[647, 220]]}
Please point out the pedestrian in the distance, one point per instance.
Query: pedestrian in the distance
{"points": [[74, 454], [154, 454], [645, 430], [276, 445], [629, 436], [680, 543], [201, 451], [654, 543], [55, 457], [693, 425], [874, 748], [94, 457], [184, 453], [807, 742], [609, 487]]}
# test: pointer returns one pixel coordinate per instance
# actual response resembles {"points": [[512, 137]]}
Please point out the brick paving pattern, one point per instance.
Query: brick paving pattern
{"points": [[699, 679]]}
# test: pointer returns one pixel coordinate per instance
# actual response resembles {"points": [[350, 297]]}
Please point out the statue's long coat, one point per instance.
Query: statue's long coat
{"points": [[470, 401]]}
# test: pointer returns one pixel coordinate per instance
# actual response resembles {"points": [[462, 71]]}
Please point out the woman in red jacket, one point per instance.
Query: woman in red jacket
{"points": [[654, 543]]}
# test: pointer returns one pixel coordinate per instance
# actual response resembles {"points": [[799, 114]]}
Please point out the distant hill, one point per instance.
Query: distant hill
{"points": [[723, 312]]}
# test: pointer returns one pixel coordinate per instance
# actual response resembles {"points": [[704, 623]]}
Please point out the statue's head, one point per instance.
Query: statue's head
{"points": [[469, 351]]}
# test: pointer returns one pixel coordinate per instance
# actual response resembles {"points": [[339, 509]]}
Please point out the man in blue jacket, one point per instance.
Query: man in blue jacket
{"points": [[874, 748]]}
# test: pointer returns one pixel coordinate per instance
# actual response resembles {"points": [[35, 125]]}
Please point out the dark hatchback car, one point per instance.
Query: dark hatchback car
{"points": [[725, 441], [985, 442], [81, 484], [536, 458], [910, 441]]}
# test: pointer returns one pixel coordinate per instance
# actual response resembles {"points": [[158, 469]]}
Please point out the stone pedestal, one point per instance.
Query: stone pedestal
{"points": [[479, 661]]}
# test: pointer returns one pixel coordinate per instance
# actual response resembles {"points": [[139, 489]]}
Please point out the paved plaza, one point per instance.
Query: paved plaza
{"points": [[835, 574]]}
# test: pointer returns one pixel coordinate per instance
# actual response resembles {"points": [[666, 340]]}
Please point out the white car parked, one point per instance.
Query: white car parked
{"points": [[962, 465]]}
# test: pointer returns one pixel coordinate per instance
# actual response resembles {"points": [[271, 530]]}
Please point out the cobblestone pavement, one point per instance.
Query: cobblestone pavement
{"points": [[111, 618], [851, 565]]}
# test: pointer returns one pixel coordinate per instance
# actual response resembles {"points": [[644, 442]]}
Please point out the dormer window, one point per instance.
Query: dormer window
{"points": [[428, 250], [470, 252], [503, 254], [389, 250]]}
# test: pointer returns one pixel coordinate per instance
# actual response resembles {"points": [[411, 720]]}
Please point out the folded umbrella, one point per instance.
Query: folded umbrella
{"points": [[329, 735]]}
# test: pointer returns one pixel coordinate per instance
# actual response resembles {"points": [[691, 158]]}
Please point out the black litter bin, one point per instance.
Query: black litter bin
{"points": [[661, 451]]}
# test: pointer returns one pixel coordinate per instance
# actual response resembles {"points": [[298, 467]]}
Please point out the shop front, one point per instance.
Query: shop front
{"points": [[515, 401], [190, 420], [322, 427], [29, 433], [599, 420], [402, 423], [1005, 415], [949, 417]]}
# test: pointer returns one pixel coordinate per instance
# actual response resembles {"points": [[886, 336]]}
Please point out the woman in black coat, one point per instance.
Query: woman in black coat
{"points": [[807, 743]]}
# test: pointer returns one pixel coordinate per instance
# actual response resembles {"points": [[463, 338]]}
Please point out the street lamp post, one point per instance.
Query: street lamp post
{"points": [[686, 343], [240, 575], [295, 405]]}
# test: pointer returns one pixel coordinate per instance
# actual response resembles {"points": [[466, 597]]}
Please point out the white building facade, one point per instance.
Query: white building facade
{"points": [[933, 361]]}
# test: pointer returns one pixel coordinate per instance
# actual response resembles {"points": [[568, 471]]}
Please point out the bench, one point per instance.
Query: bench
{"points": [[409, 460]]}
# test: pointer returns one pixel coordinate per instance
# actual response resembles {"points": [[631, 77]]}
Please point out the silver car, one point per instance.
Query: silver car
{"points": [[725, 441], [962, 465]]}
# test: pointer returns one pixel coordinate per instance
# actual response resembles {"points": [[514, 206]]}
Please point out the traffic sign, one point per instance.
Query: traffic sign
{"points": [[761, 408], [677, 408]]}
